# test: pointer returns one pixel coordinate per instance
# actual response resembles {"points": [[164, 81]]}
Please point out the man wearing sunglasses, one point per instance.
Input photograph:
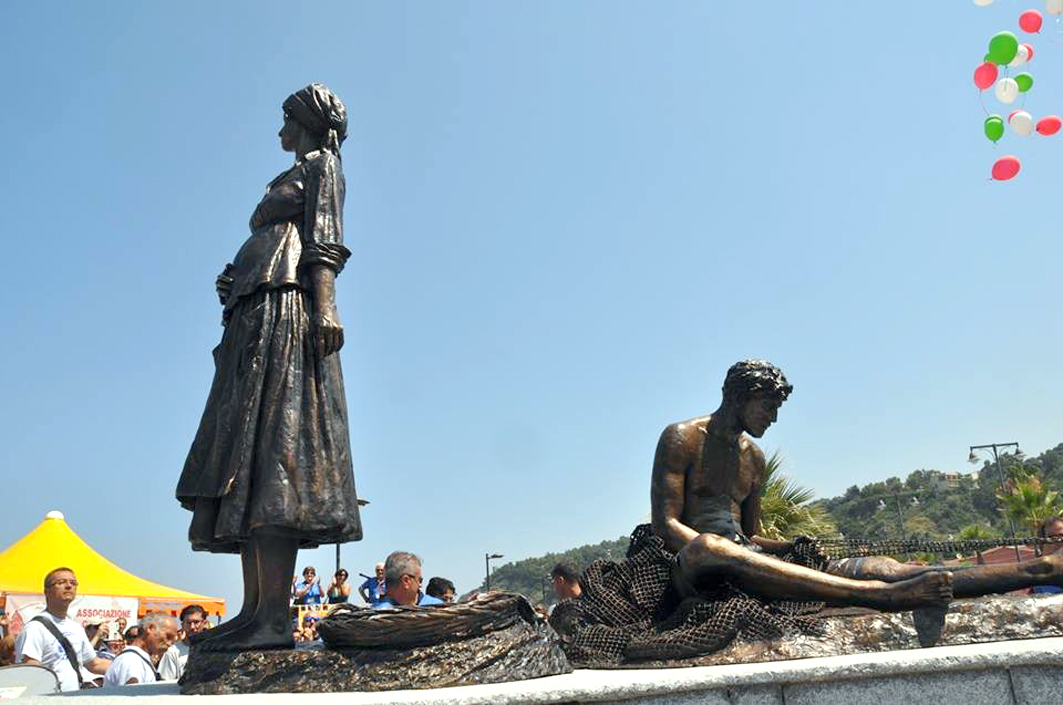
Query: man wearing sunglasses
{"points": [[55, 641], [193, 621], [402, 571]]}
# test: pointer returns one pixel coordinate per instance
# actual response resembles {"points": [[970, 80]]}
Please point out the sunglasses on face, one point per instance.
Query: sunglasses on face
{"points": [[64, 581]]}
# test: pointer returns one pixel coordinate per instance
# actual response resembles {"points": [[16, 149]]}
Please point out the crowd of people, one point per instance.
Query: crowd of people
{"points": [[107, 655], [396, 581], [101, 654], [399, 568]]}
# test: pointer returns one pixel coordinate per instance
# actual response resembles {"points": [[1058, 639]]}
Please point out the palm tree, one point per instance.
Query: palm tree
{"points": [[973, 532], [977, 531], [1025, 500], [785, 507]]}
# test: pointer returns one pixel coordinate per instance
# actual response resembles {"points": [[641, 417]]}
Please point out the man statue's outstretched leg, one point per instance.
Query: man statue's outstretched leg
{"points": [[709, 556], [967, 581]]}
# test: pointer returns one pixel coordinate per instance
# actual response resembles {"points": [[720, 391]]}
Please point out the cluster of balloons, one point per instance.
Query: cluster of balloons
{"points": [[1007, 52]]}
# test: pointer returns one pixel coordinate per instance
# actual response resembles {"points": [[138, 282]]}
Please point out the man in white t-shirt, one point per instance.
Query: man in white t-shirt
{"points": [[193, 621], [136, 663], [37, 645]]}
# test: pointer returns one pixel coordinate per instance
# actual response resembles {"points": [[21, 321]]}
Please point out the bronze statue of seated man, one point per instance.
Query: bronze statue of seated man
{"points": [[705, 498]]}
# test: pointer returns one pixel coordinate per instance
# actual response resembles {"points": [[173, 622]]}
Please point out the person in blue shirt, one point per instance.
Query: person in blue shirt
{"points": [[308, 592], [442, 589], [373, 589], [402, 573], [1050, 528]]}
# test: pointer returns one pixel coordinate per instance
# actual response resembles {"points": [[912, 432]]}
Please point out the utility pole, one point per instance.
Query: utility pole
{"points": [[973, 458]]}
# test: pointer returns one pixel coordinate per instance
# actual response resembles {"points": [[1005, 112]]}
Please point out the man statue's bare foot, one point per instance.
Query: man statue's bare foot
{"points": [[252, 636], [926, 590]]}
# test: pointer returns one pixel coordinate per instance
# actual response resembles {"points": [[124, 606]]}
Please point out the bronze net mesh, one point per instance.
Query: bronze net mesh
{"points": [[630, 611]]}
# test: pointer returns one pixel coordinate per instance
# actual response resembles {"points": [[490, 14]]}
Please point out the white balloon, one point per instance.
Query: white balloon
{"points": [[1022, 122], [984, 3], [1054, 7], [1007, 90], [1022, 55]]}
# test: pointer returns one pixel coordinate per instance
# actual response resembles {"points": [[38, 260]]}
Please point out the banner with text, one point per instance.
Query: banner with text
{"points": [[86, 609]]}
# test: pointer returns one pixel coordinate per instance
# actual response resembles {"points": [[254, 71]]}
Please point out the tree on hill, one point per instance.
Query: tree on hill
{"points": [[1028, 502], [973, 532]]}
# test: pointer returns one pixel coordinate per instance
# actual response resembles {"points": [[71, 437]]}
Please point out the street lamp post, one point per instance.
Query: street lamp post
{"points": [[973, 458], [487, 567]]}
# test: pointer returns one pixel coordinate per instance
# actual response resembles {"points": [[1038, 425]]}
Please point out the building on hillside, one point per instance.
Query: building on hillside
{"points": [[949, 480]]}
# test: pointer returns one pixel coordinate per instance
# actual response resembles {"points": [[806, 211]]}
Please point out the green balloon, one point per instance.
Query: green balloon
{"points": [[994, 127], [1003, 47], [987, 59], [1024, 80]]}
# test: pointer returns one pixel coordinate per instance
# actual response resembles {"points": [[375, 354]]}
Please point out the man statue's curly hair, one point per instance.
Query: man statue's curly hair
{"points": [[748, 378]]}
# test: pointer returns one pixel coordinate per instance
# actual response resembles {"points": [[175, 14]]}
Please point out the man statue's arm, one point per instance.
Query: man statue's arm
{"points": [[751, 509], [667, 490]]}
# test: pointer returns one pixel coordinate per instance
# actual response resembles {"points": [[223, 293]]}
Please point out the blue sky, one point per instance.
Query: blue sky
{"points": [[567, 219]]}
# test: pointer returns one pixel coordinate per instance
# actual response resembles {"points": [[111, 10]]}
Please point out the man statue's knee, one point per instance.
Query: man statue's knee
{"points": [[705, 550]]}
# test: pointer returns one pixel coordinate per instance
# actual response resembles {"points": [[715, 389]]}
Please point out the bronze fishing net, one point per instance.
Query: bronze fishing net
{"points": [[630, 610]]}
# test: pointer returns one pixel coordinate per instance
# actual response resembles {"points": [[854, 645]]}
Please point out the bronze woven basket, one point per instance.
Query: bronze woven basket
{"points": [[350, 627]]}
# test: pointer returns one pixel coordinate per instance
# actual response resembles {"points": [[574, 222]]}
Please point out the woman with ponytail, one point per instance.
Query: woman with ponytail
{"points": [[270, 471]]}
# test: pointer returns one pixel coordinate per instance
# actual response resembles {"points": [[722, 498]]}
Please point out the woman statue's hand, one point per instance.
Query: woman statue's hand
{"points": [[328, 332], [224, 285]]}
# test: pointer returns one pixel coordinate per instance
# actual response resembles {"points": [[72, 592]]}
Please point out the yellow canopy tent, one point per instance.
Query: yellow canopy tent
{"points": [[53, 543]]}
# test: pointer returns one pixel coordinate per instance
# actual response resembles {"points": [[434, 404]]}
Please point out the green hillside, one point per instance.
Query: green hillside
{"points": [[937, 504]]}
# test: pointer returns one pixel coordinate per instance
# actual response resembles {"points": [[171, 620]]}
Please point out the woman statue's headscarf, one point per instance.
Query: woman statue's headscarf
{"points": [[321, 113]]}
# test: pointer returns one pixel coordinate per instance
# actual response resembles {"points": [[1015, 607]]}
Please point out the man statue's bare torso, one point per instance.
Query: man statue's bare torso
{"points": [[719, 478]]}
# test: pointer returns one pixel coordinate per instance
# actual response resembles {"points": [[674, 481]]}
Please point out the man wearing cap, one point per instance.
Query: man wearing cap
{"points": [[55, 641]]}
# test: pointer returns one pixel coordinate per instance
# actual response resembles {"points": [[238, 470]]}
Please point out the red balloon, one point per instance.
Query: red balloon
{"points": [[1030, 21], [1006, 167], [1049, 124], [985, 76], [1029, 49]]}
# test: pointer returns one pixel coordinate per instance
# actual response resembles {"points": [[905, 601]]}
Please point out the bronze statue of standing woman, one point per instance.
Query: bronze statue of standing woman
{"points": [[270, 470]]}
